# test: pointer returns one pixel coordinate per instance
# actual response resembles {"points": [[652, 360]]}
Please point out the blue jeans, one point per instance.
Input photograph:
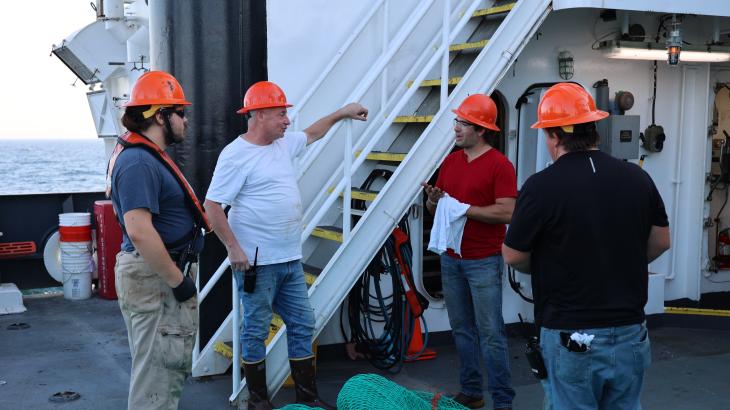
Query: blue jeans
{"points": [[608, 376], [473, 295], [279, 288]]}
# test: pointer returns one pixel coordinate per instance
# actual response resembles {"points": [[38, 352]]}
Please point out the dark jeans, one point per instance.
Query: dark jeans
{"points": [[473, 295]]}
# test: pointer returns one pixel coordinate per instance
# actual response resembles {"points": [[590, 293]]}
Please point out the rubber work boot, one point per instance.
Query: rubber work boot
{"points": [[469, 401], [258, 398], [303, 372]]}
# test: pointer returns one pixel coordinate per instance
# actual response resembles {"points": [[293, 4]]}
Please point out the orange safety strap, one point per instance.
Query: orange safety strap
{"points": [[131, 139]]}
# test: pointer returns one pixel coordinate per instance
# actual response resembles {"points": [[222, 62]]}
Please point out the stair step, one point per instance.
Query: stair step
{"points": [[407, 119], [494, 10], [310, 274], [436, 82], [384, 156], [332, 233], [476, 45], [361, 194]]}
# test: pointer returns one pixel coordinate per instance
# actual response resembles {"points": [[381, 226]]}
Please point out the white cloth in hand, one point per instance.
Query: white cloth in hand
{"points": [[448, 225]]}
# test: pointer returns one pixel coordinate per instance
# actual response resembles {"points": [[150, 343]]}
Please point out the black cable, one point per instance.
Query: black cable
{"points": [[653, 99], [515, 285], [368, 306], [656, 39]]}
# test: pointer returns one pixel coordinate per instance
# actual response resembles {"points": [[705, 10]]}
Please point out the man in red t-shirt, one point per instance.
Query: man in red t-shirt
{"points": [[480, 176]]}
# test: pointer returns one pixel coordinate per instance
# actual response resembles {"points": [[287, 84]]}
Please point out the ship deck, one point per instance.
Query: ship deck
{"points": [[81, 346]]}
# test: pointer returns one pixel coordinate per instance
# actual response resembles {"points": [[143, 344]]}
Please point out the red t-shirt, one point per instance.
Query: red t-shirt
{"points": [[479, 183]]}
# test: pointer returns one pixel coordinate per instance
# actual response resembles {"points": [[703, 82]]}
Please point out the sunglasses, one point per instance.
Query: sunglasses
{"points": [[179, 113], [463, 123]]}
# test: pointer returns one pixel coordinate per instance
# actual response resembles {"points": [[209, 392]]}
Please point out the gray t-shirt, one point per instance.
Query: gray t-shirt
{"points": [[140, 180]]}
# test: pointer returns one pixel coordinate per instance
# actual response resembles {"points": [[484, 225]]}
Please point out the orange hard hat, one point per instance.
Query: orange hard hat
{"points": [[263, 94], [157, 88], [479, 109], [566, 104]]}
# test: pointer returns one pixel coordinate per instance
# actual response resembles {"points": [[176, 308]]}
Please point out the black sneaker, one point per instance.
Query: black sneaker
{"points": [[469, 401]]}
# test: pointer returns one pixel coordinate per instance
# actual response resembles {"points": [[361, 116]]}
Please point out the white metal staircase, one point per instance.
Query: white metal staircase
{"points": [[386, 138]]}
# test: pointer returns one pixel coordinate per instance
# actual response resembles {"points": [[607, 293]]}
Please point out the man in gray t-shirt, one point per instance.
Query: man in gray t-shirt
{"points": [[141, 181]]}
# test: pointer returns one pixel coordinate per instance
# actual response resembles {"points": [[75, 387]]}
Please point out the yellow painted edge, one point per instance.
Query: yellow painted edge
{"points": [[355, 194], [467, 46], [413, 118], [309, 278], [384, 156], [327, 234], [436, 82], [494, 10], [363, 196], [695, 311]]}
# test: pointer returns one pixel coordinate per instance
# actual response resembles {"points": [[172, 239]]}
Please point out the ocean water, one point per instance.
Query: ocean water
{"points": [[31, 166]]}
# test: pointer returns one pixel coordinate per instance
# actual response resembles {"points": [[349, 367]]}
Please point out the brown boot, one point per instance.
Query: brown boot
{"points": [[303, 372], [258, 397]]}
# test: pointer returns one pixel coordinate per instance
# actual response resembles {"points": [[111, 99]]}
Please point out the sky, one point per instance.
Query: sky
{"points": [[36, 96]]}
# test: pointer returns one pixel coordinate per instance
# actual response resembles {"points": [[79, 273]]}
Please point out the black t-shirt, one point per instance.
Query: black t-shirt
{"points": [[586, 220]]}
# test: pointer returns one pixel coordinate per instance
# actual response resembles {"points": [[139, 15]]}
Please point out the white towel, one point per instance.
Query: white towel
{"points": [[448, 225]]}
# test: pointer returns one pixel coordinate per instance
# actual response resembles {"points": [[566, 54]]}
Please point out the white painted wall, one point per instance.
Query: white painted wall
{"points": [[303, 36]]}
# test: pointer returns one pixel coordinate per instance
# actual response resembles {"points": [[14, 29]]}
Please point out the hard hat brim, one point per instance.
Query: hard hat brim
{"points": [[476, 121], [596, 115], [244, 110], [137, 103]]}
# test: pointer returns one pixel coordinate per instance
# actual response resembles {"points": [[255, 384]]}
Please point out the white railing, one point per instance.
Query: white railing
{"points": [[334, 194], [375, 71], [374, 118]]}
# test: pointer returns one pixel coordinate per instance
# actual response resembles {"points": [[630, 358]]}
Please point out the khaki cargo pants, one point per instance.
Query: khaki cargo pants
{"points": [[161, 333]]}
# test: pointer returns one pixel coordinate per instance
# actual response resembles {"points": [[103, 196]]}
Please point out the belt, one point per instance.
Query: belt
{"points": [[178, 254]]}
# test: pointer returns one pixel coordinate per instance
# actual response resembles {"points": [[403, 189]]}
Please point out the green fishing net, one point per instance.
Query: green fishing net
{"points": [[374, 392]]}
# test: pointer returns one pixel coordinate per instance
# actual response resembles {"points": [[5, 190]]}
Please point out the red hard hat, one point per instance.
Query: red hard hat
{"points": [[479, 109], [566, 104], [157, 88], [263, 94]]}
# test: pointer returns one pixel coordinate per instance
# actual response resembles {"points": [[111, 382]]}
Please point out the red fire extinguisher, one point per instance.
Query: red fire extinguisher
{"points": [[723, 249]]}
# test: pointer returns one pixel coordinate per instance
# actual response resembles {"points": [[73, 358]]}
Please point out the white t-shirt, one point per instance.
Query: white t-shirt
{"points": [[260, 185]]}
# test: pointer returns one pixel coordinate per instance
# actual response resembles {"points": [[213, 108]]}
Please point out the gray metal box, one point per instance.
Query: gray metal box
{"points": [[620, 136]]}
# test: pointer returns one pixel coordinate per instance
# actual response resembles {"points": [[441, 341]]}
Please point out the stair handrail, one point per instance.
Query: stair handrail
{"points": [[386, 107], [334, 194], [373, 73]]}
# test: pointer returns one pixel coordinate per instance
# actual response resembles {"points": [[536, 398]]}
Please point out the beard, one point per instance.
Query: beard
{"points": [[171, 138]]}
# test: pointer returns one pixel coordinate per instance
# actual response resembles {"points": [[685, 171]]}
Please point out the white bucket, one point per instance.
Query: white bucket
{"points": [[74, 219], [75, 247], [76, 264], [77, 286]]}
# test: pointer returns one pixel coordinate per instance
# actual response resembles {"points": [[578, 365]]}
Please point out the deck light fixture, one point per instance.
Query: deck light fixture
{"points": [[674, 42], [565, 65], [636, 50]]}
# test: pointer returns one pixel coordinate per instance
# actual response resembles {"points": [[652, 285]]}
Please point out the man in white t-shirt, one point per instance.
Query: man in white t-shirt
{"points": [[256, 176]]}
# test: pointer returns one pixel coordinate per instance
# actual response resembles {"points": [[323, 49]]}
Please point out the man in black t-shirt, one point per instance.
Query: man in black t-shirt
{"points": [[586, 228]]}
